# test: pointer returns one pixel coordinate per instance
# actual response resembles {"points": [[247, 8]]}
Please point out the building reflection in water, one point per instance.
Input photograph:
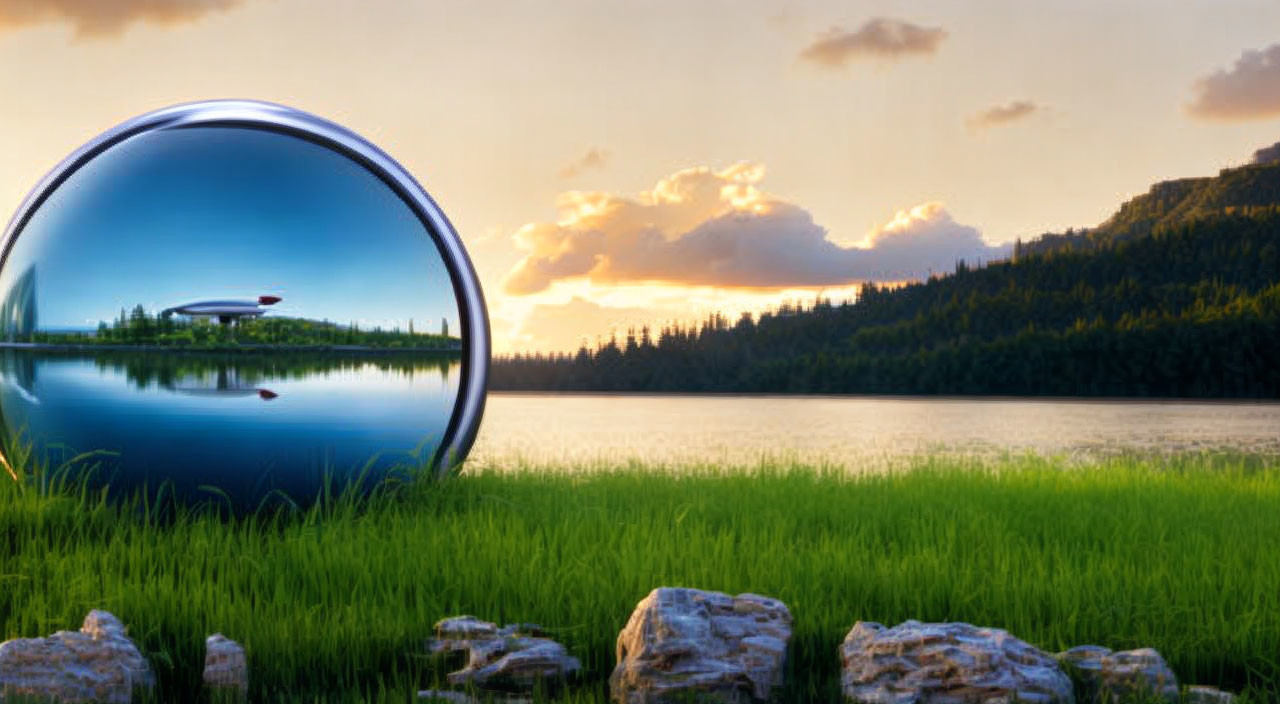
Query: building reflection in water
{"points": [[19, 370]]}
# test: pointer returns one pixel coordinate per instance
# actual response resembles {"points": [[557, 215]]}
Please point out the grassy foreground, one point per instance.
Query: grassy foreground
{"points": [[333, 604]]}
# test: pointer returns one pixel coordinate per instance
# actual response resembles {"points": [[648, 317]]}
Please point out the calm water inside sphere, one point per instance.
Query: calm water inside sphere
{"points": [[226, 307]]}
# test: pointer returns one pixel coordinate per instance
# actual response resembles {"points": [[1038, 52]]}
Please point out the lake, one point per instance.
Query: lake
{"points": [[855, 432], [245, 423], [252, 423]]}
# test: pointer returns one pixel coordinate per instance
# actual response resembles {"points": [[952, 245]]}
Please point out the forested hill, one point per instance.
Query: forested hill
{"points": [[1190, 309], [1172, 203]]}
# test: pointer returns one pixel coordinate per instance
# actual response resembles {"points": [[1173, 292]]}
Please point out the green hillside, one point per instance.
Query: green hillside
{"points": [[1172, 203]]}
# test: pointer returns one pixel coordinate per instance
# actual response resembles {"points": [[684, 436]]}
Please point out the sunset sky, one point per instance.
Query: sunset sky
{"points": [[612, 163]]}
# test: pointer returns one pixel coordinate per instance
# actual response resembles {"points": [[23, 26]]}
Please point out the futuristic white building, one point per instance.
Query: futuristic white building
{"points": [[225, 311]]}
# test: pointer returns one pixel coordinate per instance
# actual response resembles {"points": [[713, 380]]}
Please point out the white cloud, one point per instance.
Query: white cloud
{"points": [[1248, 90], [923, 240], [700, 227]]}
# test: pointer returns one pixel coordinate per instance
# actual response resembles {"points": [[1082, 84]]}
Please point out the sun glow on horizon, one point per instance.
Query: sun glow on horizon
{"points": [[582, 161], [529, 324]]}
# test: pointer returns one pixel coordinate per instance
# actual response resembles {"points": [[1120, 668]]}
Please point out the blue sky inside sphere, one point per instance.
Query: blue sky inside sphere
{"points": [[186, 214]]}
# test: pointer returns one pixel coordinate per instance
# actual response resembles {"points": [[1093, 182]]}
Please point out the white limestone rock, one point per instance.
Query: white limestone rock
{"points": [[687, 643], [513, 658], [225, 666], [1126, 673], [947, 663], [98, 663]]}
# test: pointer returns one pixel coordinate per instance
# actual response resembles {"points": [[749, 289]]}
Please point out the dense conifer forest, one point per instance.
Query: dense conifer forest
{"points": [[1177, 295], [138, 327]]}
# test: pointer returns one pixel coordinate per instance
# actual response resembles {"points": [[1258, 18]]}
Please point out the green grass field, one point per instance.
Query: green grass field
{"points": [[334, 604]]}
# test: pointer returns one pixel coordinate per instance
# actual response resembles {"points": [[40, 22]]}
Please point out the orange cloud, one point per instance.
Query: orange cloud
{"points": [[104, 18], [1248, 90], [700, 227], [1003, 114], [879, 38]]}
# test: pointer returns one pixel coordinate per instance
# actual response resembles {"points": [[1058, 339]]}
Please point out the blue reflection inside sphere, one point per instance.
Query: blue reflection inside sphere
{"points": [[226, 310]]}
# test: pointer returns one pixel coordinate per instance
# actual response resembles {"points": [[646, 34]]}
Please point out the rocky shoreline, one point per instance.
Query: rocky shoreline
{"points": [[679, 645]]}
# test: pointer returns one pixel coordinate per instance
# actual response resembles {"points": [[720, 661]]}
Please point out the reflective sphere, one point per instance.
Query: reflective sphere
{"points": [[236, 300]]}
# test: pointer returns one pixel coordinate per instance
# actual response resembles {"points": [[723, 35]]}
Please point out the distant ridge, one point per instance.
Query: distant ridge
{"points": [[1267, 155], [1167, 204]]}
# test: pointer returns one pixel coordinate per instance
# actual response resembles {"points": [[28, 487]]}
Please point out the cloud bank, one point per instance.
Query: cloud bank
{"points": [[700, 227], [880, 38], [593, 159], [1003, 114], [1248, 90], [105, 18]]}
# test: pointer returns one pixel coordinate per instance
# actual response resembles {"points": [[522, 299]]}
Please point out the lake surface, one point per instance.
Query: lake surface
{"points": [[250, 423], [245, 423], [854, 432]]}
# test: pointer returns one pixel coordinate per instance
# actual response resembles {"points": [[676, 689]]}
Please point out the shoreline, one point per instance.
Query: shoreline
{"points": [[958, 398], [349, 349]]}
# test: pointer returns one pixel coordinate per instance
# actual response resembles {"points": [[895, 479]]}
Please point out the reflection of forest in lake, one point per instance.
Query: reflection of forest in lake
{"points": [[245, 422], [231, 370], [225, 370]]}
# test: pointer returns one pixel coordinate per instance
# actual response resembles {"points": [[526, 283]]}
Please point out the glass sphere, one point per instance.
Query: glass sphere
{"points": [[236, 301]]}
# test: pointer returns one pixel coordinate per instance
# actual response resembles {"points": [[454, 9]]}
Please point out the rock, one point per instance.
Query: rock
{"points": [[444, 695], [465, 627], [515, 657], [947, 663], [686, 643], [224, 664], [98, 663], [448, 696], [1200, 694], [1121, 674]]}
